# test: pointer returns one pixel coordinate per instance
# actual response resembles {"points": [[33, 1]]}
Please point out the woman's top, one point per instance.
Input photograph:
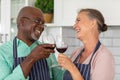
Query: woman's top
{"points": [[102, 64]]}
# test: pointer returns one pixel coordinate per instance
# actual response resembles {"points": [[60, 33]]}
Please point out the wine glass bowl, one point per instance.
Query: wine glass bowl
{"points": [[48, 39], [61, 47]]}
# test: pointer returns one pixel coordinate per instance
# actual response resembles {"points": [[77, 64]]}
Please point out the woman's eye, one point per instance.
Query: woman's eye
{"points": [[77, 20]]}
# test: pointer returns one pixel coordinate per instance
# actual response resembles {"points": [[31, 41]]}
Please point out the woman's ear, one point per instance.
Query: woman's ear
{"points": [[93, 23]]}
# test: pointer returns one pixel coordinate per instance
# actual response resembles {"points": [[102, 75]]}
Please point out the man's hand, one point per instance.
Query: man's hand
{"points": [[42, 51]]}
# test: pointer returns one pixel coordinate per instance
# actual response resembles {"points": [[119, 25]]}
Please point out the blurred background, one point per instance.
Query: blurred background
{"points": [[63, 16]]}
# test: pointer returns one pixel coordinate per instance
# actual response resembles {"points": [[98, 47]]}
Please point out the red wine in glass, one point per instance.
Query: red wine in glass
{"points": [[61, 45], [61, 49]]}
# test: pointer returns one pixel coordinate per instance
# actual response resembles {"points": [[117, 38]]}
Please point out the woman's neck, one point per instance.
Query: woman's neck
{"points": [[89, 47]]}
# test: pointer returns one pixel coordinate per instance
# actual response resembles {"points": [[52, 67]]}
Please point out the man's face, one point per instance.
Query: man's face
{"points": [[33, 27], [37, 28]]}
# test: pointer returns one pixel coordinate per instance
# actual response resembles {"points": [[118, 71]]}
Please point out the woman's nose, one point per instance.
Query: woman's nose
{"points": [[74, 26]]}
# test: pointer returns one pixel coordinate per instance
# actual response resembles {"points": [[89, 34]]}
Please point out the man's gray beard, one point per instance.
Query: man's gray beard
{"points": [[33, 36]]}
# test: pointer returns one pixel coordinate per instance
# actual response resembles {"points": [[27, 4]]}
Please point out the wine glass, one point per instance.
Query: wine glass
{"points": [[61, 46], [49, 39]]}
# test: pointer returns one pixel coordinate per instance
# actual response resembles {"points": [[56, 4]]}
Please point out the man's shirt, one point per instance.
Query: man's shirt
{"points": [[7, 61]]}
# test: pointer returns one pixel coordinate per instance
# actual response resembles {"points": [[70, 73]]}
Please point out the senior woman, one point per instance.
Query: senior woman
{"points": [[92, 61]]}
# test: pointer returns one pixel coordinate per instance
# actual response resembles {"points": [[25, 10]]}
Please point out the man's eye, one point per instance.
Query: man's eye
{"points": [[37, 21]]}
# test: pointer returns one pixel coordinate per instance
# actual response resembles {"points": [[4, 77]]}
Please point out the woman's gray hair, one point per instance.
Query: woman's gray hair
{"points": [[95, 14]]}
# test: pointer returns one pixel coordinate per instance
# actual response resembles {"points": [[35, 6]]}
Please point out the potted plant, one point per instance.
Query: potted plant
{"points": [[47, 6]]}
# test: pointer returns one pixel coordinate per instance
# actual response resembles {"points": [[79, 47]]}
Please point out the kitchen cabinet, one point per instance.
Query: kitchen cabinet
{"points": [[5, 20], [66, 10], [8, 12]]}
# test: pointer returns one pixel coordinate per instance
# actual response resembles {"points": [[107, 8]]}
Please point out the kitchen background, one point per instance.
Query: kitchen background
{"points": [[64, 16]]}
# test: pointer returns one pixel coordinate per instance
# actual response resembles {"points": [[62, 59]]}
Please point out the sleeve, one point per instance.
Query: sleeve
{"points": [[55, 72], [14, 75], [49, 62], [103, 67], [7, 73]]}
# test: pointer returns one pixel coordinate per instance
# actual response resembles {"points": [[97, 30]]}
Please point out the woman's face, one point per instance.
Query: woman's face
{"points": [[83, 25]]}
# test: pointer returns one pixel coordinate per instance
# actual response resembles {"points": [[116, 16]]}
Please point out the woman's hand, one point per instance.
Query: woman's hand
{"points": [[65, 62]]}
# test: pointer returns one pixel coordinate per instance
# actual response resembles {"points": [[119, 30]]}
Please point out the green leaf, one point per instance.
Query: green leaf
{"points": [[47, 6]]}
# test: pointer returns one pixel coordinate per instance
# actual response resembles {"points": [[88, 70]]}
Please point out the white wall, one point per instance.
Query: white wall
{"points": [[109, 8]]}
